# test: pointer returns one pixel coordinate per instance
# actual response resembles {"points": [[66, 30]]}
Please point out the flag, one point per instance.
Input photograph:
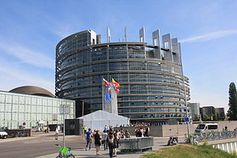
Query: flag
{"points": [[117, 90], [116, 86], [106, 83], [108, 97], [115, 83]]}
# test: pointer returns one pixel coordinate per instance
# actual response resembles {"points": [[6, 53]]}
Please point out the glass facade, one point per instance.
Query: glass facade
{"points": [[16, 109], [152, 84]]}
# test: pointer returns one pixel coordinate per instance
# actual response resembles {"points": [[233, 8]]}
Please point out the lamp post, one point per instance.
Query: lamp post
{"points": [[63, 111], [185, 98], [63, 125]]}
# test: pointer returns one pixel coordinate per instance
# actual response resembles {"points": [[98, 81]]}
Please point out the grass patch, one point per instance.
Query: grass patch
{"points": [[189, 151]]}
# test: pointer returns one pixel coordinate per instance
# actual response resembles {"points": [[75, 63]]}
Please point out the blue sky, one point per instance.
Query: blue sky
{"points": [[30, 30]]}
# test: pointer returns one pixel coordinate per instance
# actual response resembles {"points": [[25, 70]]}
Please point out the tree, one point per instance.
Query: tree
{"points": [[196, 118], [206, 118], [232, 112]]}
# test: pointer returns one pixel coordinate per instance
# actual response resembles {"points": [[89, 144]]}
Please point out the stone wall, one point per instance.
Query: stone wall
{"points": [[178, 130], [231, 125], [164, 130]]}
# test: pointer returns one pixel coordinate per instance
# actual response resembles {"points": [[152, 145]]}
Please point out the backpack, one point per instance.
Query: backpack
{"points": [[110, 138]]}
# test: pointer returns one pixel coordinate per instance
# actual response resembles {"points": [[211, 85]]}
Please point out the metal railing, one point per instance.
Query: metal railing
{"points": [[211, 136]]}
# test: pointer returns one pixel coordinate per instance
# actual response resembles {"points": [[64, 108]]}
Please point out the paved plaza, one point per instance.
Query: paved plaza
{"points": [[42, 145], [81, 153]]}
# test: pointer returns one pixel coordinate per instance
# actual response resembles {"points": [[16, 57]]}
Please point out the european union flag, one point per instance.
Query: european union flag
{"points": [[108, 97]]}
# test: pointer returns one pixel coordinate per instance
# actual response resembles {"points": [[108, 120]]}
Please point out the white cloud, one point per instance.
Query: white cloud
{"points": [[209, 36], [27, 55], [12, 76]]}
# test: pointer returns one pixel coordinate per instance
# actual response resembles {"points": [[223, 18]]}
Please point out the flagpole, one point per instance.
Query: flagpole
{"points": [[103, 91]]}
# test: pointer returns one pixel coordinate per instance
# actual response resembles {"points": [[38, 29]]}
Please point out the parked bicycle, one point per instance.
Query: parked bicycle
{"points": [[64, 152]]}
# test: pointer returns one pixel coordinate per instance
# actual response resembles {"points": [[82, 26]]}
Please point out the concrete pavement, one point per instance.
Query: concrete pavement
{"points": [[42, 145], [159, 142], [81, 153]]}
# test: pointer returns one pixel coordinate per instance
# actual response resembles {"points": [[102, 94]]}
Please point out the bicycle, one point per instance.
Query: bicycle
{"points": [[192, 139], [64, 152]]}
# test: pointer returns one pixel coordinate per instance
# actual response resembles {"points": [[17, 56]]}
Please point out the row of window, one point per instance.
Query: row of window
{"points": [[122, 66], [121, 52], [14, 120], [87, 57], [89, 92], [12, 116], [122, 78], [150, 116], [148, 104], [30, 100], [28, 108], [150, 109]]}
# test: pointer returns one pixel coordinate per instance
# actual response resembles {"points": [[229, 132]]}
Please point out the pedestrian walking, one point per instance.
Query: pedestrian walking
{"points": [[104, 140], [88, 139], [116, 142], [84, 130], [97, 139], [56, 133], [146, 133], [111, 143]]}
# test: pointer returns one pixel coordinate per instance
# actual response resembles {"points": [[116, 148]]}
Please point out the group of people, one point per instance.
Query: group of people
{"points": [[142, 132], [109, 138]]}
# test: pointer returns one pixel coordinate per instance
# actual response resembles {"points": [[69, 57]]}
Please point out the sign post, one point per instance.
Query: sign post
{"points": [[64, 110], [186, 119]]}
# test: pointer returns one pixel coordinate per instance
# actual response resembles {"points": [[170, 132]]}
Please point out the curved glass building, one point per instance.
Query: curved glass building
{"points": [[153, 88]]}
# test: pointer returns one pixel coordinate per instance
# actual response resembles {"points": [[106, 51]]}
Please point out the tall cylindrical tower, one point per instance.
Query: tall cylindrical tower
{"points": [[152, 84]]}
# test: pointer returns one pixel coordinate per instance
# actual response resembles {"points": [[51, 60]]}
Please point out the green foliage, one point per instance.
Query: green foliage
{"points": [[189, 151], [196, 118], [232, 112], [206, 118]]}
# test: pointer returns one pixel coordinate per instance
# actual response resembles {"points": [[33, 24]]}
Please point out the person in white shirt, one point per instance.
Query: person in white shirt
{"points": [[56, 133]]}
